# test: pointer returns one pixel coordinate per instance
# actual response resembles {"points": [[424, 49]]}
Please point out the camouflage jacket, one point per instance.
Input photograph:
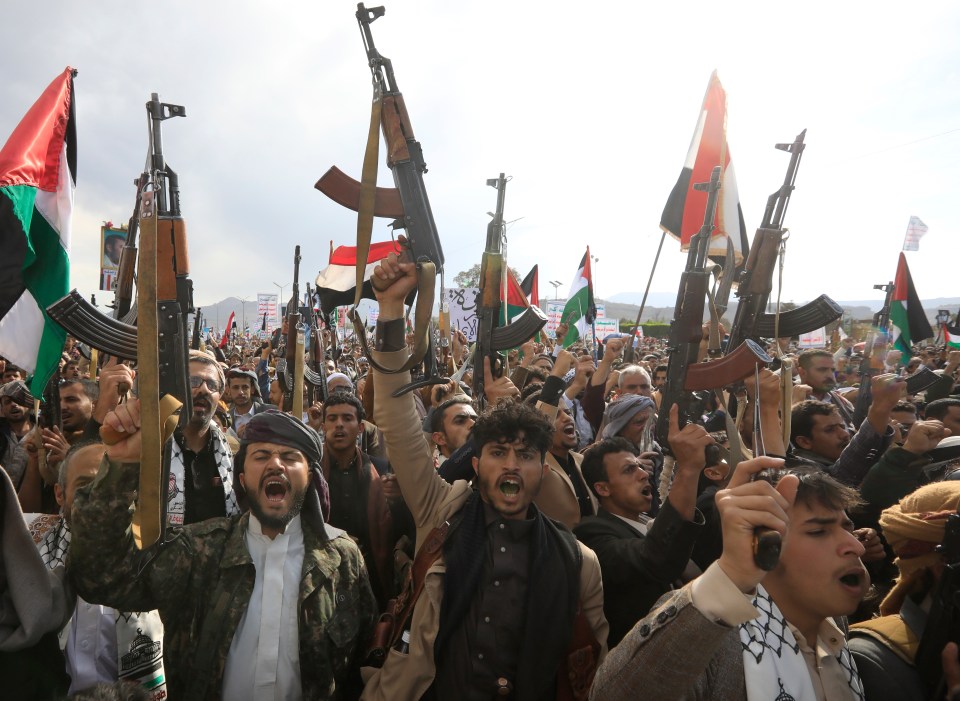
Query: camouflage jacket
{"points": [[201, 579]]}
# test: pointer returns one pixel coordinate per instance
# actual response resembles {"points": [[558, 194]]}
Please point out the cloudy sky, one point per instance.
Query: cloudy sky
{"points": [[589, 107]]}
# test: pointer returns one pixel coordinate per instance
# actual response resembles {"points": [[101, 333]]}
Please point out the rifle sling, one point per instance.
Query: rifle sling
{"points": [[426, 277], [147, 523]]}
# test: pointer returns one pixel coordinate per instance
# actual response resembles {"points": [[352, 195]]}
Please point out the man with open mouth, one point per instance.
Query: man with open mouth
{"points": [[641, 560], [501, 604], [739, 632], [270, 604]]}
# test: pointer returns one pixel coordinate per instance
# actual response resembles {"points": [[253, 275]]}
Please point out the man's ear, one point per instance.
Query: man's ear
{"points": [[803, 442], [243, 482], [546, 469], [58, 493], [602, 488], [439, 438], [475, 461]]}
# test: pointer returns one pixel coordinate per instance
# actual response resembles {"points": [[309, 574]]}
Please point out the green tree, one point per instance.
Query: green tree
{"points": [[471, 277]]}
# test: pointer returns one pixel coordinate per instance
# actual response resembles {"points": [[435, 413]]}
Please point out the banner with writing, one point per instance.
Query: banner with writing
{"points": [[554, 311], [605, 327], [814, 339], [269, 304], [462, 302]]}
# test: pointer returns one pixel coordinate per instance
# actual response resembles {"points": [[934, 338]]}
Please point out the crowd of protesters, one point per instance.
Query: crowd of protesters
{"points": [[535, 543]]}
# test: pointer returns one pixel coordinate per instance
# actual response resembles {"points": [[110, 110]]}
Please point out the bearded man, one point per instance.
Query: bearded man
{"points": [[271, 604]]}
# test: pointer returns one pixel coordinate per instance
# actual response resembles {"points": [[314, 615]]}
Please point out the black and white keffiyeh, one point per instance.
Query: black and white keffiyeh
{"points": [[773, 666], [176, 498]]}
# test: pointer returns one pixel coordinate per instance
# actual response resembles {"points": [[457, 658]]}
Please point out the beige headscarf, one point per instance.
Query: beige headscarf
{"points": [[914, 528]]}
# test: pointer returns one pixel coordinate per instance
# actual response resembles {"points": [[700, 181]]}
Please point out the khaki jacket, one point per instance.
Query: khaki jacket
{"points": [[557, 498], [433, 501]]}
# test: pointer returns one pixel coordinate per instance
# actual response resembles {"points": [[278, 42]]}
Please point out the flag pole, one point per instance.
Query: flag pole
{"points": [[643, 302]]}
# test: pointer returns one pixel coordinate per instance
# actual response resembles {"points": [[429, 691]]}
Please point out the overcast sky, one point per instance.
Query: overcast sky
{"points": [[589, 107]]}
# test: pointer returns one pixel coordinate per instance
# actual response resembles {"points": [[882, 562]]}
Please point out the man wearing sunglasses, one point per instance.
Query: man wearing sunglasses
{"points": [[201, 462]]}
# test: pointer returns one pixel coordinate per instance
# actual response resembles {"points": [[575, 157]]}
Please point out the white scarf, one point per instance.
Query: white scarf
{"points": [[139, 633], [773, 666], [176, 498]]}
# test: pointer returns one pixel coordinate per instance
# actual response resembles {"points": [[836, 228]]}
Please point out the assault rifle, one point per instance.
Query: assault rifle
{"points": [[493, 335], [164, 299], [685, 376], [123, 298], [315, 372], [293, 387], [943, 620], [756, 281], [407, 203]]}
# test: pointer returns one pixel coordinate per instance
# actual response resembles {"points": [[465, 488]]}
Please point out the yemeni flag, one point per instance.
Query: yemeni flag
{"points": [[683, 214], [531, 285], [337, 283], [908, 323], [226, 331], [38, 174], [580, 310], [951, 336]]}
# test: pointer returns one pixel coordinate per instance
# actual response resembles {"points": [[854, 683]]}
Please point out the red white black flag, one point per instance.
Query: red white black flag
{"points": [[683, 214]]}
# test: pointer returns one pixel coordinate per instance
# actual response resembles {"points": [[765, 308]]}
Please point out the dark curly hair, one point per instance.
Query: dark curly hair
{"points": [[507, 421], [344, 397]]}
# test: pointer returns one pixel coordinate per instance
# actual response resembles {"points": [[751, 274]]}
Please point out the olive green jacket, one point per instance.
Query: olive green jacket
{"points": [[201, 579]]}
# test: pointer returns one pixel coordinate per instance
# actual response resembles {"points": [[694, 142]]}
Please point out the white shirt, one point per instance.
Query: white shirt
{"points": [[264, 659], [240, 420], [640, 526], [91, 645]]}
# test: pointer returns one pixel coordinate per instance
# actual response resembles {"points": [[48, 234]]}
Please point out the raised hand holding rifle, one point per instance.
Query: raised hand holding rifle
{"points": [[164, 299], [407, 203], [685, 376]]}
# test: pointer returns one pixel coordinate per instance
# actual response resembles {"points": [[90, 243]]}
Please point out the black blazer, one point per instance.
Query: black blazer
{"points": [[637, 570]]}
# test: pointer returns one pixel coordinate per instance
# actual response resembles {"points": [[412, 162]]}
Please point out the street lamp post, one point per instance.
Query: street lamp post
{"points": [[279, 300], [243, 302], [555, 284], [594, 276]]}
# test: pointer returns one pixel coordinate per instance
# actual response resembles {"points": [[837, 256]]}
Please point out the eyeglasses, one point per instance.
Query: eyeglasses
{"points": [[196, 381]]}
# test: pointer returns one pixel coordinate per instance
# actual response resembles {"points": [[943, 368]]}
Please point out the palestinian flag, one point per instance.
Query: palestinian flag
{"points": [[580, 310], [38, 174], [531, 285], [337, 283], [908, 323], [683, 214], [515, 301], [951, 336]]}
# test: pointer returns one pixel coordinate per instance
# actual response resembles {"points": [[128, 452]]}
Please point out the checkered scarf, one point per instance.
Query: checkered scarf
{"points": [[773, 666]]}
